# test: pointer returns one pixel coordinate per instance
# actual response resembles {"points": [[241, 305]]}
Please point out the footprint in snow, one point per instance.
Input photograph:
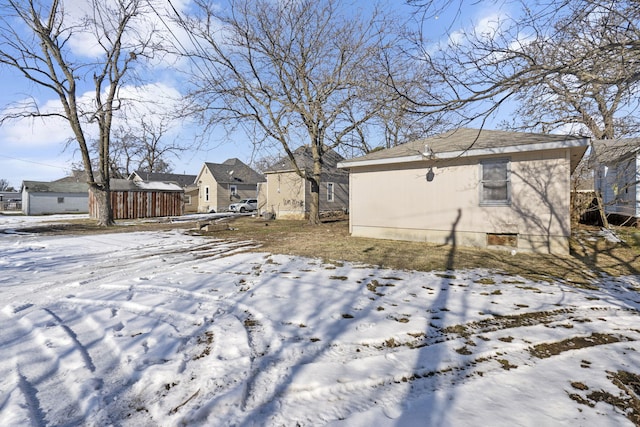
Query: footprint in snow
{"points": [[393, 411], [365, 326]]}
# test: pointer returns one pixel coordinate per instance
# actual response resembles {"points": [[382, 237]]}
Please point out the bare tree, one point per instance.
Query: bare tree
{"points": [[295, 71], [4, 185], [124, 149], [154, 149], [144, 146], [596, 88], [37, 40], [574, 62]]}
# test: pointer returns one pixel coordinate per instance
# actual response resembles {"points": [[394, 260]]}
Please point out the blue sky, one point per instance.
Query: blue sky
{"points": [[38, 149]]}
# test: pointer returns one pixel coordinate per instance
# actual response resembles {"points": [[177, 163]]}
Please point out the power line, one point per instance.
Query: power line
{"points": [[31, 161], [211, 69]]}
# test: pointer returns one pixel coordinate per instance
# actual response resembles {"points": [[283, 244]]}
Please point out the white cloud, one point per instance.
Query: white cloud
{"points": [[34, 148], [488, 26], [35, 132], [153, 98], [149, 102], [154, 23], [484, 24]]}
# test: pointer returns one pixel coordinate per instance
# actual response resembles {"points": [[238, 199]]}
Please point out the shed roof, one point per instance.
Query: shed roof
{"points": [[180, 179], [130, 185], [55, 187], [466, 142]]}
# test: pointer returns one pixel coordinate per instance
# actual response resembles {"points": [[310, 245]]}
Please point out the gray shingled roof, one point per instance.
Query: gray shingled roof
{"points": [[233, 171], [464, 140], [180, 179], [55, 187], [610, 150], [304, 160]]}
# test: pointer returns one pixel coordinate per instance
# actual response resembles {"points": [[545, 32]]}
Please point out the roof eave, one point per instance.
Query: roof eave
{"points": [[511, 149], [385, 161]]}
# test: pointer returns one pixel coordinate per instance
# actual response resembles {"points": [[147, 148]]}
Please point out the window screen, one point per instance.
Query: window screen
{"points": [[495, 185]]}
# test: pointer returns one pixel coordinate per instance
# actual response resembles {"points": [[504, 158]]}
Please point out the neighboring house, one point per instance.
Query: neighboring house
{"points": [[468, 187], [287, 195], [220, 184], [76, 176], [617, 175], [187, 182], [5, 196], [10, 201], [131, 199], [44, 198]]}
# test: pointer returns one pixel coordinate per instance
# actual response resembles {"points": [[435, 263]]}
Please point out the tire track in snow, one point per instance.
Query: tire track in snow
{"points": [[118, 264], [345, 396], [74, 338], [30, 393], [261, 337], [47, 357]]}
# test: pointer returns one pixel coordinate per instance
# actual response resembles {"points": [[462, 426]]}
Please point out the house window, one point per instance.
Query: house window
{"points": [[234, 190], [206, 193], [60, 199], [495, 186], [329, 191], [187, 199]]}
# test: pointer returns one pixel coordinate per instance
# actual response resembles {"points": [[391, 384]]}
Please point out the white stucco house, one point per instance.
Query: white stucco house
{"points": [[469, 187]]}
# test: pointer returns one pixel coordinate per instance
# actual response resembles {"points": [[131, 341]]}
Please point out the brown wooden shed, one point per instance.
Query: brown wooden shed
{"points": [[142, 199]]}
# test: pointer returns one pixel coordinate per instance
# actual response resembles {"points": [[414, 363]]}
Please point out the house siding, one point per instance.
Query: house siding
{"points": [[617, 182], [286, 193], [225, 198], [288, 196], [399, 202], [191, 200], [206, 180], [340, 192], [47, 203]]}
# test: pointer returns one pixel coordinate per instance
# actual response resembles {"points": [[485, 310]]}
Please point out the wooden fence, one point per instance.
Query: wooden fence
{"points": [[141, 204], [11, 205]]}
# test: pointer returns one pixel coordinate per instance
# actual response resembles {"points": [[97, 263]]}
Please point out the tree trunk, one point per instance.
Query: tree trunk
{"points": [[314, 180], [603, 215], [103, 200], [314, 206]]}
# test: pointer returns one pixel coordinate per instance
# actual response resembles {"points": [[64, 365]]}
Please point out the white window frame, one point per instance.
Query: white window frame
{"points": [[484, 181], [330, 191], [233, 189], [206, 193]]}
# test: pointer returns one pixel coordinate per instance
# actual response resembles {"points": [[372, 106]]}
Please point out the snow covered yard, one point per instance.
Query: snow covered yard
{"points": [[165, 328]]}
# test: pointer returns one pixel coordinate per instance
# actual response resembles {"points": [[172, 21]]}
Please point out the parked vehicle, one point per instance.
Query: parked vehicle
{"points": [[244, 205]]}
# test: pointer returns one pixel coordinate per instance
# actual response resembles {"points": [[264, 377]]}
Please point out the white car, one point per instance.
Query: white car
{"points": [[244, 205]]}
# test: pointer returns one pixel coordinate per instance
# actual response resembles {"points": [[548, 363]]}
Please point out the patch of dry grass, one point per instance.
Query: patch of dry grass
{"points": [[590, 255], [331, 241]]}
